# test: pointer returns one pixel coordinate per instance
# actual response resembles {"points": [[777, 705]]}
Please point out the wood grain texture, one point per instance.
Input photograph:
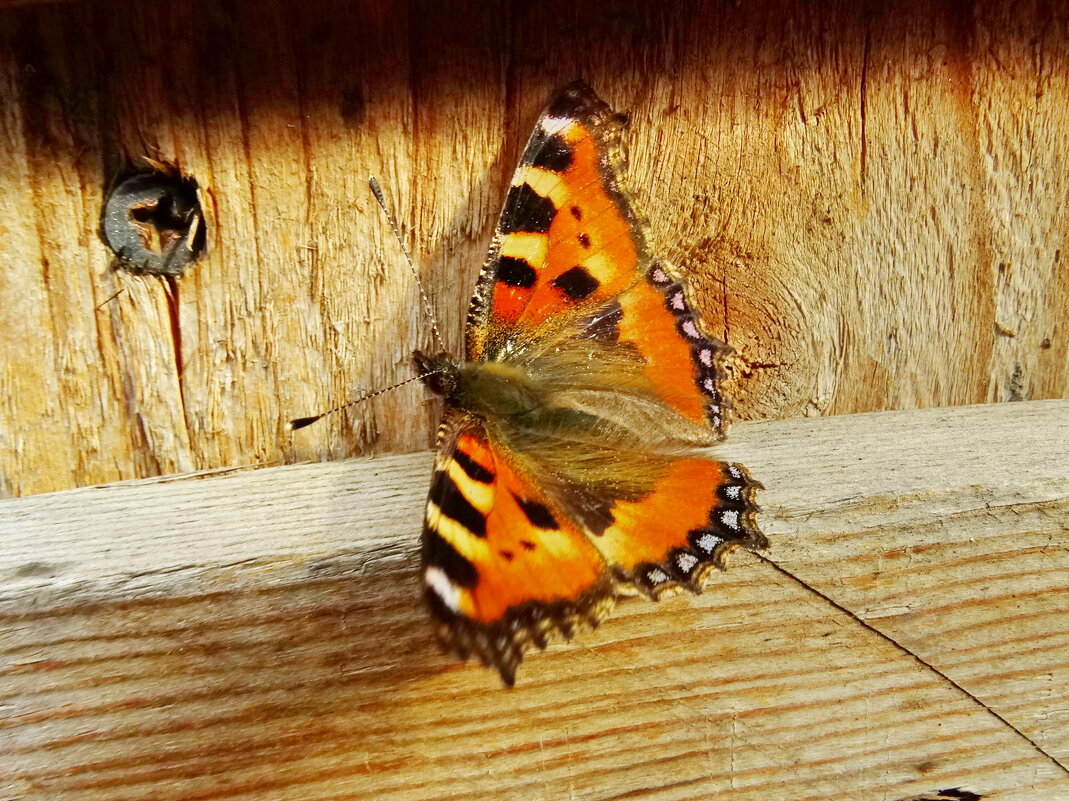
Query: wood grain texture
{"points": [[258, 635], [869, 197]]}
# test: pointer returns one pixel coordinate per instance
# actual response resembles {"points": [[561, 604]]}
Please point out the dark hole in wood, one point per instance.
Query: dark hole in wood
{"points": [[152, 221]]}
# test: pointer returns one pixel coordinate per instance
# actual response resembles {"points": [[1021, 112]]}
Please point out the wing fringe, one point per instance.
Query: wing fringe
{"points": [[532, 625]]}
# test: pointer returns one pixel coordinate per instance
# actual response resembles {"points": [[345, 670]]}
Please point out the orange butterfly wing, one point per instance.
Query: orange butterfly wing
{"points": [[569, 243], [674, 535], [567, 237], [503, 569], [682, 363]]}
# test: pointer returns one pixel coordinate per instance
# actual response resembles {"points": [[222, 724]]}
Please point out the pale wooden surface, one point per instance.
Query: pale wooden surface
{"points": [[259, 636], [880, 193]]}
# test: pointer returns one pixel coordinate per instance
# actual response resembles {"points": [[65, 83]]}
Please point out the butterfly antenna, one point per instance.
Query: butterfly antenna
{"points": [[376, 190], [301, 422]]}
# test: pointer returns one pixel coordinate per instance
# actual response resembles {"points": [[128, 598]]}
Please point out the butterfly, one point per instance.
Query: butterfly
{"points": [[571, 466]]}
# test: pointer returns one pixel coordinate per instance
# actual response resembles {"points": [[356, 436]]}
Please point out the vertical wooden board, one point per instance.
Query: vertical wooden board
{"points": [[436, 172], [847, 286], [754, 153], [868, 200], [1025, 145], [138, 120], [28, 389], [94, 400], [463, 164], [238, 85], [267, 257], [925, 320], [354, 100], [185, 111]]}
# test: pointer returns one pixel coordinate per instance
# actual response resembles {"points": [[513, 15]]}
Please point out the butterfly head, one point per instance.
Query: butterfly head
{"points": [[440, 372]]}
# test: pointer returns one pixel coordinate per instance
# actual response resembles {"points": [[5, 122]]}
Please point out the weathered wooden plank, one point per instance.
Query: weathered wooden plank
{"points": [[870, 201], [258, 635]]}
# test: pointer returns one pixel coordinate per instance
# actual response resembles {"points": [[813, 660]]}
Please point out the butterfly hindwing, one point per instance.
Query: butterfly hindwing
{"points": [[682, 363], [506, 570], [694, 515]]}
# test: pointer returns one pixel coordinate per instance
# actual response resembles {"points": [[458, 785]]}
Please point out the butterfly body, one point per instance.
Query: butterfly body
{"points": [[571, 459]]}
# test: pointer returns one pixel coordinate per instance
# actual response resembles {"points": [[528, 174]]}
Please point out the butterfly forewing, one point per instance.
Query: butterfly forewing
{"points": [[568, 237], [503, 567]]}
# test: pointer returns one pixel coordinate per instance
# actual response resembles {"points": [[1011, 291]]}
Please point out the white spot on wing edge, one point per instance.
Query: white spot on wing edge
{"points": [[730, 518], [445, 589], [733, 491], [707, 542], [686, 562], [554, 125], [691, 330], [657, 576]]}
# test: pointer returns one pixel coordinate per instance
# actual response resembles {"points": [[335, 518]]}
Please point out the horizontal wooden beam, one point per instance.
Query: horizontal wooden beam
{"points": [[257, 634]]}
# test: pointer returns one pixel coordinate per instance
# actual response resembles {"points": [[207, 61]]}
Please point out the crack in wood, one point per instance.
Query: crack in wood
{"points": [[921, 660]]}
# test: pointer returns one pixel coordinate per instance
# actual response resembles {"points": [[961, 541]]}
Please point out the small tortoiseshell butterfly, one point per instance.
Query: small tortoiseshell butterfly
{"points": [[570, 466]]}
